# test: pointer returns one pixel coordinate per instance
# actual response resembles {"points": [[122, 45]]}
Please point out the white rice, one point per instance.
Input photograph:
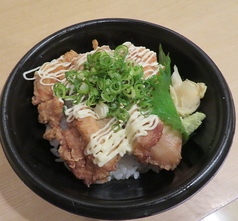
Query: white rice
{"points": [[129, 166]]}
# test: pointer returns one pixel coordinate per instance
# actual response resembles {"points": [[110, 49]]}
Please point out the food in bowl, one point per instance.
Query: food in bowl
{"points": [[113, 113]]}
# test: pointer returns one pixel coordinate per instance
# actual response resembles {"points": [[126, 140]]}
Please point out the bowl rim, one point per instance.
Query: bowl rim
{"points": [[149, 207]]}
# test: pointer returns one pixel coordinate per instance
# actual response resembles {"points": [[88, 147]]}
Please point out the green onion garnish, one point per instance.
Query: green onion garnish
{"points": [[108, 78]]}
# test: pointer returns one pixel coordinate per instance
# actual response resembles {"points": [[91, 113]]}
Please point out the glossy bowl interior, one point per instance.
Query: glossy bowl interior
{"points": [[29, 154]]}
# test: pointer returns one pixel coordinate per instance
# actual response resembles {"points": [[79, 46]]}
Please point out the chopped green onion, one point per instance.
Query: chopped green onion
{"points": [[84, 88], [114, 105], [121, 51], [116, 127], [128, 91], [115, 87], [92, 100], [105, 60], [139, 90], [59, 90], [108, 97], [108, 78], [122, 114], [70, 76]]}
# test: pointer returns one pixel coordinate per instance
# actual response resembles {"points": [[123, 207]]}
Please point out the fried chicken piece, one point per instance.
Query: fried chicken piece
{"points": [[43, 90], [70, 56], [72, 149], [53, 133], [142, 145], [86, 127], [95, 44], [167, 152], [51, 112], [160, 147]]}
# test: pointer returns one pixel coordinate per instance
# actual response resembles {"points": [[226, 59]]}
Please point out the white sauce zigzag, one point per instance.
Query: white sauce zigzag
{"points": [[107, 143]]}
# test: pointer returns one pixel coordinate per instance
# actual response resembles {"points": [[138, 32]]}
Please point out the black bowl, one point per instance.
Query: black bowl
{"points": [[29, 154]]}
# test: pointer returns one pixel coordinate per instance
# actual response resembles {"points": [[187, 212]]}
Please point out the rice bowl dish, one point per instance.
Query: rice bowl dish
{"points": [[105, 104], [135, 193]]}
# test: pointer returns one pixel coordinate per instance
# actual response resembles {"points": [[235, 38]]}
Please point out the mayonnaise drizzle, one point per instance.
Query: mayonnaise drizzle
{"points": [[107, 143], [29, 72], [47, 71], [79, 111], [143, 57]]}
